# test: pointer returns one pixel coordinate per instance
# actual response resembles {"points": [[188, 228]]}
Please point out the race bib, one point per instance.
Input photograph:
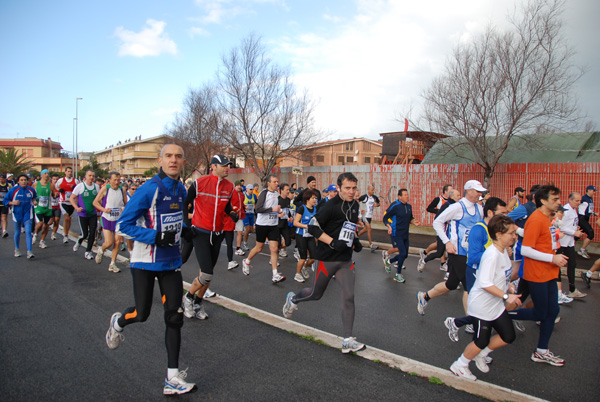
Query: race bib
{"points": [[44, 201], [370, 209], [250, 208], [68, 194], [2, 194], [115, 213], [172, 222], [553, 236], [54, 202], [272, 216], [347, 233], [465, 240]]}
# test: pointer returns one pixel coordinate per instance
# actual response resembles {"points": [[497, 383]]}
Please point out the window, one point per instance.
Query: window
{"points": [[341, 159], [367, 159], [377, 160], [349, 159], [367, 146], [320, 158], [349, 146]]}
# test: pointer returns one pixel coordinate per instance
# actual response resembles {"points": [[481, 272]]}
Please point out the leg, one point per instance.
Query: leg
{"points": [[17, 235], [108, 241], [171, 289], [93, 222], [346, 278], [229, 242]]}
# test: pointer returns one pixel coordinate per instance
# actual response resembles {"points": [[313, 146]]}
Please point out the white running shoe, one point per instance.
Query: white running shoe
{"points": [[277, 278], [352, 345], [373, 247], [297, 255], [88, 255], [582, 252], [76, 246], [463, 372], [99, 256], [444, 267], [30, 255], [481, 363], [299, 278], [209, 293], [246, 266], [282, 253], [114, 337], [305, 273], [384, 256], [421, 265], [547, 357], [469, 329], [188, 306], [200, 311], [232, 265], [113, 267], [4, 234], [177, 385], [422, 253], [33, 238], [17, 252], [65, 239], [42, 244], [239, 251], [576, 294], [245, 247], [52, 236], [289, 306], [452, 329], [563, 298], [421, 303]]}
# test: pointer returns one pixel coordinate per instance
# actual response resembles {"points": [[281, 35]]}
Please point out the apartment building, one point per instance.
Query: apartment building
{"points": [[43, 154], [354, 151], [132, 157]]}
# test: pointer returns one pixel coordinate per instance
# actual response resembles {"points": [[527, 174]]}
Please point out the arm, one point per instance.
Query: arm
{"points": [[73, 200], [432, 207], [477, 240], [297, 218], [518, 213], [188, 204], [98, 200], [387, 218], [377, 203], [454, 211], [127, 223], [511, 204]]}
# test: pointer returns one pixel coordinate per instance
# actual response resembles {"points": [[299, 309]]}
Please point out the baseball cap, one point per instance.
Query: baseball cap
{"points": [[221, 160], [332, 187], [250, 186], [519, 189], [474, 185], [9, 175], [590, 188], [237, 183]]}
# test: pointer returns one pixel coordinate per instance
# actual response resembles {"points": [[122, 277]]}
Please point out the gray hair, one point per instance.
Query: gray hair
{"points": [[162, 150]]}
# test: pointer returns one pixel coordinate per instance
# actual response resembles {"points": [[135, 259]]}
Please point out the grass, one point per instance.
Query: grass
{"points": [[435, 380], [242, 314]]}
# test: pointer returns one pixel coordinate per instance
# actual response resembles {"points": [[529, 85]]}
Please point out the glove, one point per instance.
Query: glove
{"points": [[61, 190], [188, 234], [234, 217], [357, 245], [338, 245], [164, 239]]}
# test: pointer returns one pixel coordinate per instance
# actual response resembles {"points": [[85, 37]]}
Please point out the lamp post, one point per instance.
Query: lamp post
{"points": [[77, 134], [74, 154]]}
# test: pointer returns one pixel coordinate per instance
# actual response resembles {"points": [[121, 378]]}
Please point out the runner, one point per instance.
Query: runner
{"points": [[250, 202], [434, 207], [284, 230], [65, 187], [111, 201], [158, 206], [586, 212], [370, 200], [403, 218], [268, 213], [311, 183], [239, 225], [43, 209], [587, 276], [210, 197], [541, 265], [230, 226], [334, 226], [517, 200], [490, 295], [304, 240], [55, 201], [82, 199], [4, 187], [461, 216], [22, 198], [570, 229], [130, 193]]}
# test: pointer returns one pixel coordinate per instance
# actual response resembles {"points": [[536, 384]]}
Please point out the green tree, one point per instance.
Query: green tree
{"points": [[12, 161], [151, 172], [95, 166]]}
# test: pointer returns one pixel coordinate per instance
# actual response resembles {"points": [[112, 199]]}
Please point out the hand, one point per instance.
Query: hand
{"points": [[357, 245], [234, 217], [61, 190], [389, 230], [16, 202], [579, 233], [338, 245], [560, 260], [509, 250], [187, 233], [79, 209], [164, 239], [416, 222], [514, 299], [450, 248], [276, 208]]}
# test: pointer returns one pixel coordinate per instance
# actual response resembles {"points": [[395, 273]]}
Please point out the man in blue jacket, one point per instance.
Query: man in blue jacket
{"points": [[153, 218], [22, 198]]}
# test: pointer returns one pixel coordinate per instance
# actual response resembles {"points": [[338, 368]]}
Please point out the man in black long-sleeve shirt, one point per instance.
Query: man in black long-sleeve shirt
{"points": [[311, 183], [434, 207]]}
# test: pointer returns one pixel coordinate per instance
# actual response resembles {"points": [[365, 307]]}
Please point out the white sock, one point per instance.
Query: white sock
{"points": [[172, 373], [588, 274], [463, 361], [485, 352], [275, 272], [542, 351]]}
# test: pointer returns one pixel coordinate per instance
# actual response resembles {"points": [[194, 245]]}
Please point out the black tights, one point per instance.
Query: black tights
{"points": [[88, 227]]}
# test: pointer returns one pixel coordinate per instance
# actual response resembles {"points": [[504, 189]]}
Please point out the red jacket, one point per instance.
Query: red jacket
{"points": [[237, 202], [212, 196]]}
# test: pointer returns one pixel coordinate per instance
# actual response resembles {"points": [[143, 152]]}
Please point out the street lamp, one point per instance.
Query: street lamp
{"points": [[73, 156], [77, 133]]}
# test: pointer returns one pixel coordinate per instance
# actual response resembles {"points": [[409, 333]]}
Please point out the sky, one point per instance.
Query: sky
{"points": [[364, 62]]}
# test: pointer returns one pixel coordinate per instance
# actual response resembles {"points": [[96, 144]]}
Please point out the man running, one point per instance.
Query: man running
{"points": [[311, 183], [55, 202], [586, 212], [82, 199], [229, 226], [154, 219], [210, 197], [239, 225], [371, 201], [284, 219], [268, 213], [461, 216], [4, 187], [43, 209], [111, 201], [516, 200], [334, 226], [570, 229], [249, 202], [434, 207], [22, 198], [65, 187], [540, 270]]}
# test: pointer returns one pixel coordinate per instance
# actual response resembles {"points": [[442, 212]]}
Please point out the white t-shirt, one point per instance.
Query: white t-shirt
{"points": [[495, 268]]}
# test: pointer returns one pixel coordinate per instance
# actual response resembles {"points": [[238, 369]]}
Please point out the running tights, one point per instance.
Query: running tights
{"points": [[27, 224], [88, 227], [229, 241]]}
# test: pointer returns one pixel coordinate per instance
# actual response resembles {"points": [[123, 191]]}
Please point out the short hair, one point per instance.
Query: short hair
{"points": [[401, 191], [282, 186], [114, 174], [544, 194], [499, 224], [452, 192], [346, 176], [22, 175], [269, 178], [162, 150], [445, 188], [492, 205], [308, 194], [572, 195], [68, 167], [90, 170]]}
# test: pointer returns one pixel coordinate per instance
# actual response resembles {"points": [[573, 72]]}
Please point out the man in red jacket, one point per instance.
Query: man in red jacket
{"points": [[210, 197]]}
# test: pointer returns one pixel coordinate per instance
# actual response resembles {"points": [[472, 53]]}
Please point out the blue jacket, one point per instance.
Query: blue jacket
{"points": [[479, 241], [401, 215], [25, 195]]}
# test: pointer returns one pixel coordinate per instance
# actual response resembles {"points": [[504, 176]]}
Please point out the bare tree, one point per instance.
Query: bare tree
{"points": [[505, 83], [265, 118], [196, 129]]}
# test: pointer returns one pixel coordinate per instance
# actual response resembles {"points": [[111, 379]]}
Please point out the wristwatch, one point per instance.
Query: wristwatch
{"points": [[505, 297]]}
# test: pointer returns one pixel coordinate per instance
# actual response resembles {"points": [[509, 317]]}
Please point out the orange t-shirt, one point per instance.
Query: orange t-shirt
{"points": [[540, 235]]}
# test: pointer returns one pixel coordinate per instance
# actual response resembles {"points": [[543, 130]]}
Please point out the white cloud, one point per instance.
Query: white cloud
{"points": [[150, 41], [197, 31]]}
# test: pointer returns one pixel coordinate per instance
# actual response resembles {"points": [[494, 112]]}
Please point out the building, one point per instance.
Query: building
{"points": [[42, 154], [132, 157], [355, 151], [407, 147]]}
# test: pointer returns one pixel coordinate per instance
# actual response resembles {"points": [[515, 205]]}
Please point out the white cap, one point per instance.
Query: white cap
{"points": [[474, 185]]}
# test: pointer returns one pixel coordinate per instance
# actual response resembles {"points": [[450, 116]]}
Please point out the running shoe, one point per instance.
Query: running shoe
{"points": [[547, 357], [446, 276], [88, 255], [114, 337], [519, 325], [387, 265], [5, 234], [463, 372], [444, 267], [52, 236], [65, 239], [177, 385], [563, 298], [99, 256], [239, 251], [421, 303], [576, 294], [489, 359], [305, 273], [384, 256], [282, 253], [17, 252], [112, 267], [30, 255], [421, 265], [296, 254], [245, 247], [76, 246], [289, 306], [200, 311], [582, 252], [422, 253], [188, 306], [373, 247], [246, 266], [469, 329], [122, 248], [556, 321], [33, 238], [209, 293], [313, 266], [452, 329], [299, 278], [277, 278], [352, 345], [232, 265], [586, 279], [481, 363], [399, 278], [42, 244]]}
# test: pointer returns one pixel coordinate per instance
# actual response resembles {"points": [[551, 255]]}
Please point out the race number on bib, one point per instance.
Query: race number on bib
{"points": [[172, 222], [553, 235], [115, 213], [465, 240], [347, 233], [44, 201], [250, 208], [272, 216]]}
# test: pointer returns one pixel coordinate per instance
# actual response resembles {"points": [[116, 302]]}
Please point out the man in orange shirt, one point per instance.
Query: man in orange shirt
{"points": [[540, 270]]}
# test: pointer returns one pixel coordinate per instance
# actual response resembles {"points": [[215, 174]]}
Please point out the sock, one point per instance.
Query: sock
{"points": [[485, 352], [172, 373], [463, 361], [427, 298], [275, 272], [117, 327], [588, 274], [237, 248], [197, 300], [190, 295], [541, 351]]}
